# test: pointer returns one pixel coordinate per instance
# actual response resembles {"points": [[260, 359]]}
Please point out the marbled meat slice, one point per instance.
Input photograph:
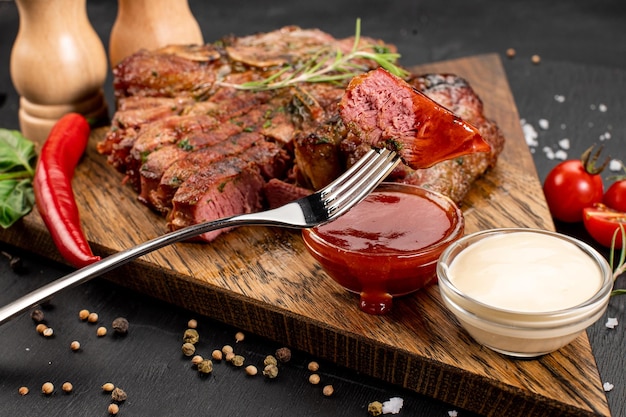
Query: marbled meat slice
{"points": [[385, 111]]}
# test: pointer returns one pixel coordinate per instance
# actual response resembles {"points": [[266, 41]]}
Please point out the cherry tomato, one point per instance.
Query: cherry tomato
{"points": [[603, 223], [572, 186], [615, 196]]}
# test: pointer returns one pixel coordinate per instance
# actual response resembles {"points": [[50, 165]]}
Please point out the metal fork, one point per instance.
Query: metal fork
{"points": [[321, 207]]}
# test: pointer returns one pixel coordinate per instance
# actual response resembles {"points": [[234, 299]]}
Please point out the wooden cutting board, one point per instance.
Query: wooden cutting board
{"points": [[262, 280]]}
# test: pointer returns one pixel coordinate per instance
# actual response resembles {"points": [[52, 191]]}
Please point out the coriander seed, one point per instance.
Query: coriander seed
{"points": [[375, 408], [67, 387], [188, 349], [120, 325], [48, 332], [217, 355], [328, 390], [118, 395], [227, 349], [270, 371], [237, 360], [192, 324], [101, 332], [92, 317], [40, 328], [47, 388], [283, 354], [270, 360], [229, 356], [251, 370], [75, 345], [113, 409], [239, 336], [196, 360], [314, 379], [535, 59], [37, 315], [191, 336], [206, 366], [83, 314], [313, 366], [108, 387], [23, 390]]}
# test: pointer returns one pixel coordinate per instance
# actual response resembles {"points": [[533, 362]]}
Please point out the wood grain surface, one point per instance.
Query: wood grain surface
{"points": [[262, 280]]}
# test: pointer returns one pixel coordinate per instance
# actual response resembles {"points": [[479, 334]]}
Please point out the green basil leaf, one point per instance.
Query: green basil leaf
{"points": [[17, 199], [15, 151]]}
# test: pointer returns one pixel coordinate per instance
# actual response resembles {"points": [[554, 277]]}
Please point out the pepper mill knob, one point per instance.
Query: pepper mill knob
{"points": [[150, 24], [58, 65]]}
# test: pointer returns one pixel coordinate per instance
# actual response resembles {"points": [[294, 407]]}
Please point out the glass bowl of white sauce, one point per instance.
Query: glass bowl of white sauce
{"points": [[524, 292]]}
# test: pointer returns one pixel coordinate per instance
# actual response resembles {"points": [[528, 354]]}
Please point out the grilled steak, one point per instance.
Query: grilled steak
{"points": [[197, 146]]}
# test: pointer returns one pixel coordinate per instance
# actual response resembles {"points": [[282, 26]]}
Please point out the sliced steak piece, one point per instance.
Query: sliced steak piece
{"points": [[452, 177], [385, 111], [159, 193], [134, 112], [227, 188], [278, 192], [270, 159]]}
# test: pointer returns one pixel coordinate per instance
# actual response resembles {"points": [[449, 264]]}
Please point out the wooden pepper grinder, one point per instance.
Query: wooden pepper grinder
{"points": [[150, 24], [58, 65]]}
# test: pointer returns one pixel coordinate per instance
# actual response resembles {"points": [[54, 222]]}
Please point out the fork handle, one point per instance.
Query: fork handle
{"points": [[96, 269]]}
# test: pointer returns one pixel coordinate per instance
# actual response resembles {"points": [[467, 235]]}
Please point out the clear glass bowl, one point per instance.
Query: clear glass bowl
{"points": [[377, 271], [521, 332]]}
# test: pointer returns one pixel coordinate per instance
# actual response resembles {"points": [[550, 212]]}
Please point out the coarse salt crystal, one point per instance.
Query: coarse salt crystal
{"points": [[453, 413], [393, 406], [608, 386], [530, 134], [560, 154], [605, 136], [615, 165], [602, 107], [611, 322], [563, 126], [548, 152], [544, 124], [564, 143], [559, 98]]}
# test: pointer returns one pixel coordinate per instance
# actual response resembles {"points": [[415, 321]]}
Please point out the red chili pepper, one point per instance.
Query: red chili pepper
{"points": [[52, 184]]}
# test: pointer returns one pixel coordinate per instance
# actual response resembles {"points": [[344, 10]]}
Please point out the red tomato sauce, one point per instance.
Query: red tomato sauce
{"points": [[388, 245]]}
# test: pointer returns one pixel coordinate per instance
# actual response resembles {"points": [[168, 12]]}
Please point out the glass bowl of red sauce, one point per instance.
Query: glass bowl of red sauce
{"points": [[388, 245]]}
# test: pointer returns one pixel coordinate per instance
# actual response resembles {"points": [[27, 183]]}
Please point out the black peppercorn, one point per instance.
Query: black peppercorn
{"points": [[120, 325]]}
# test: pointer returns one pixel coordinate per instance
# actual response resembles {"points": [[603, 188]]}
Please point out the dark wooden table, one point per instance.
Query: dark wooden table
{"points": [[583, 58]]}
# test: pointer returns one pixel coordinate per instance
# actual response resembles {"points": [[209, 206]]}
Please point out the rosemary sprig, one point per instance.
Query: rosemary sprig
{"points": [[621, 264], [328, 65]]}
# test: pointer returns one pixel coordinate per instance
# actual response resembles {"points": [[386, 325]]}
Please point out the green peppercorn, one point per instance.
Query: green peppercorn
{"points": [[270, 360], [191, 336], [188, 349], [270, 371], [237, 360], [118, 395], [375, 408], [206, 366]]}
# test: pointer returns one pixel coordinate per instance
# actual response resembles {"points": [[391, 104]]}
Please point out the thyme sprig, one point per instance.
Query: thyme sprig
{"points": [[620, 268], [328, 65]]}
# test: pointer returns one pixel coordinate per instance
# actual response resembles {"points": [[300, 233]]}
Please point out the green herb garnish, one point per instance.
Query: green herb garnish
{"points": [[327, 66], [17, 159]]}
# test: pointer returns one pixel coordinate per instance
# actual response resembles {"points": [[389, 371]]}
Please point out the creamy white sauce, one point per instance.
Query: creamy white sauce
{"points": [[526, 272]]}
